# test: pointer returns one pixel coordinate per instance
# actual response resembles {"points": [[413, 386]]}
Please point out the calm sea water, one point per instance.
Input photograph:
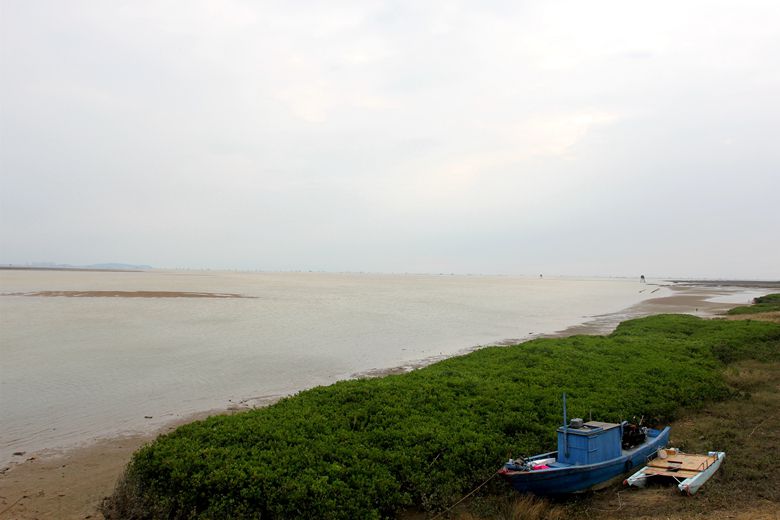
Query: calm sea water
{"points": [[76, 369]]}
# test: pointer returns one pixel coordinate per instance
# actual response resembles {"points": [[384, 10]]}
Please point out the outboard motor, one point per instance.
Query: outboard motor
{"points": [[633, 435]]}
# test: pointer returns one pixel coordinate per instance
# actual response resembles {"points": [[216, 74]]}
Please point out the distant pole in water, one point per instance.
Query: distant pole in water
{"points": [[642, 279]]}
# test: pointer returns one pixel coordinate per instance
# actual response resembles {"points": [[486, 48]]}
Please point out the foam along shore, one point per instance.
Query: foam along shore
{"points": [[72, 484]]}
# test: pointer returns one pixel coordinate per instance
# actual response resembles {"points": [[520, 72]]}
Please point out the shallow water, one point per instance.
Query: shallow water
{"points": [[74, 369]]}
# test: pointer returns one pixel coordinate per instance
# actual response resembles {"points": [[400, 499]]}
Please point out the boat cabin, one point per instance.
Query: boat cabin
{"points": [[590, 442]]}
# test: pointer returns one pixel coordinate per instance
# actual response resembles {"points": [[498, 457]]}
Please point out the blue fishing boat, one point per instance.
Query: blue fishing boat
{"points": [[590, 455]]}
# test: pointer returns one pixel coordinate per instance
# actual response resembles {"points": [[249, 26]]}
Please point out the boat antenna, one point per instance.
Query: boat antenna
{"points": [[565, 429]]}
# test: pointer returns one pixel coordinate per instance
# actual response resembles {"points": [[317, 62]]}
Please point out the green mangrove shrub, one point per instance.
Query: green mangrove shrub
{"points": [[371, 447]]}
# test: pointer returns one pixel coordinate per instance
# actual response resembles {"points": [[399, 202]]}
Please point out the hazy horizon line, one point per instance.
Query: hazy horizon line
{"points": [[131, 267]]}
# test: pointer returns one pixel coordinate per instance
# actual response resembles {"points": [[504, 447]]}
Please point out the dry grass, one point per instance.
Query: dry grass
{"points": [[521, 507], [773, 316]]}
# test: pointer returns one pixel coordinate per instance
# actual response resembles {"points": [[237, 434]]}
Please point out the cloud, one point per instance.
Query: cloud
{"points": [[287, 134]]}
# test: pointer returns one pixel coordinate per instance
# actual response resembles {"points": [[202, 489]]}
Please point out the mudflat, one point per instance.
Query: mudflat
{"points": [[71, 484]]}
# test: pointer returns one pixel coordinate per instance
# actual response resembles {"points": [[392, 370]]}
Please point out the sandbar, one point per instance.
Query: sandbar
{"points": [[128, 294]]}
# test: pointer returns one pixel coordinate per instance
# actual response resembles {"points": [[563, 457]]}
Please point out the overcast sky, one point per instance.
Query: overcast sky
{"points": [[516, 137]]}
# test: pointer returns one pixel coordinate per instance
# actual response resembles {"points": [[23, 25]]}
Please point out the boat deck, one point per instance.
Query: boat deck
{"points": [[679, 465]]}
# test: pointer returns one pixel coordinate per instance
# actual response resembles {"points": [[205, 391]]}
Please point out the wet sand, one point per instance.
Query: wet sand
{"points": [[72, 484], [686, 300], [65, 486]]}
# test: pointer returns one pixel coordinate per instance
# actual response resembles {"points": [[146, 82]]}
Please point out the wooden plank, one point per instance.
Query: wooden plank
{"points": [[683, 461]]}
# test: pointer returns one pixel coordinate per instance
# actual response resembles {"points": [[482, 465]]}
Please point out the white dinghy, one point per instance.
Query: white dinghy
{"points": [[689, 471]]}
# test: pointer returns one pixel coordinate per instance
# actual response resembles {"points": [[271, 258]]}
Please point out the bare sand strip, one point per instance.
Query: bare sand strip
{"points": [[685, 300], [128, 294], [72, 484]]}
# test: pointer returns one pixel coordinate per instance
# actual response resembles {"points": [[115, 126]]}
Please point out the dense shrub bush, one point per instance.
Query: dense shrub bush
{"points": [[367, 448]]}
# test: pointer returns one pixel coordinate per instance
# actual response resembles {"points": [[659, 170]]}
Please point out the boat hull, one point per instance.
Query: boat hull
{"points": [[578, 478], [691, 485]]}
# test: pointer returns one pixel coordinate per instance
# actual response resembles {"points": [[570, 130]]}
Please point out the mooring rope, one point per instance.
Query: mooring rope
{"points": [[465, 497]]}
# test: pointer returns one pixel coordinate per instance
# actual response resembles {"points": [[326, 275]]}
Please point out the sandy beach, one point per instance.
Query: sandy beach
{"points": [[73, 483]]}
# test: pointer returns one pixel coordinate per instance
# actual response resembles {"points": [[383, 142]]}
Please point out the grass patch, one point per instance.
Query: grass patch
{"points": [[768, 303], [370, 448]]}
